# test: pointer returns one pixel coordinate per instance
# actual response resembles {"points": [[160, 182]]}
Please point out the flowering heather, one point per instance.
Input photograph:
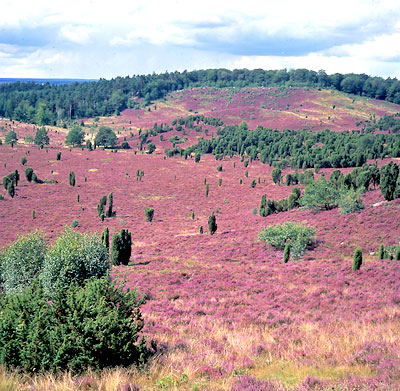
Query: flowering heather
{"points": [[223, 312]]}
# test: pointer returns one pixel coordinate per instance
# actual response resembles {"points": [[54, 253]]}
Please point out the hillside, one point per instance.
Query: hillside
{"points": [[224, 307]]}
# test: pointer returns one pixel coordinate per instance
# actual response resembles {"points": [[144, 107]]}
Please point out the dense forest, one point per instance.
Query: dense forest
{"points": [[47, 104]]}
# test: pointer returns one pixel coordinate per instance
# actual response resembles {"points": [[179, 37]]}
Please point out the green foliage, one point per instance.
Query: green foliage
{"points": [[298, 236], [381, 254], [151, 148], [253, 183], [96, 325], [11, 138], [121, 248], [110, 212], [21, 261], [23, 160], [388, 180], [29, 174], [149, 213], [350, 202], [73, 257], [286, 253], [357, 259], [100, 206], [197, 157], [11, 189], [320, 195], [219, 167], [74, 223], [105, 237], [105, 137], [41, 136], [207, 189], [212, 224], [75, 136], [72, 178], [58, 156], [276, 175], [219, 182], [124, 145], [201, 229]]}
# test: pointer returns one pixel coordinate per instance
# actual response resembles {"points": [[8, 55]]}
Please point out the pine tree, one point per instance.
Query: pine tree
{"points": [[72, 178], [286, 253], [105, 237], [357, 259], [212, 224]]}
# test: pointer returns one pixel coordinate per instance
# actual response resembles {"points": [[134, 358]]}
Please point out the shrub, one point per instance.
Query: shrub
{"points": [[253, 183], [381, 254], [58, 156], [350, 202], [11, 138], [286, 253], [21, 261], [105, 237], [100, 206], [23, 160], [121, 248], [74, 223], [197, 157], [219, 167], [73, 257], [357, 259], [212, 224], [276, 175], [72, 178], [297, 235], [11, 189], [320, 195], [110, 206], [96, 325], [149, 213], [201, 229], [124, 145], [207, 189], [388, 180]]}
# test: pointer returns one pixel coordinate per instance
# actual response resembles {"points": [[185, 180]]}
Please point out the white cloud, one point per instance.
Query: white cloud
{"points": [[76, 34]]}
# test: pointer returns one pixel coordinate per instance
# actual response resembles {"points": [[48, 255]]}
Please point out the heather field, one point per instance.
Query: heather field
{"points": [[223, 311]]}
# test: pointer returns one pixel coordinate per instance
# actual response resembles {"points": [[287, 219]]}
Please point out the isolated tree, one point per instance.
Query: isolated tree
{"points": [[276, 175], [105, 137], [212, 224], [72, 178], [357, 259], [100, 207], [320, 195], [16, 177], [196, 157], [11, 138], [110, 205], [58, 156], [388, 180], [23, 160], [121, 248], [286, 253], [105, 237], [149, 213], [41, 136], [151, 148], [381, 254], [29, 174], [75, 136], [262, 209], [11, 189]]}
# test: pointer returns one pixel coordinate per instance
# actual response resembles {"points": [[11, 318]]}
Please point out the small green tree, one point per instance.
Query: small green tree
{"points": [[11, 138], [41, 136], [207, 190], [151, 148], [23, 160], [110, 206], [72, 178], [105, 237], [105, 137], [286, 253], [75, 136], [100, 206], [196, 157], [29, 174], [11, 189], [357, 259], [121, 248], [381, 254], [58, 156], [320, 195], [276, 175], [212, 224], [253, 183], [388, 180], [149, 213]]}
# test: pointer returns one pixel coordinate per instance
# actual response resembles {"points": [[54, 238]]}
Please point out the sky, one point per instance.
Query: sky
{"points": [[93, 39]]}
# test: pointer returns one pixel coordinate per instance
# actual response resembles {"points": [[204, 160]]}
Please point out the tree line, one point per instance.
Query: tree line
{"points": [[47, 104]]}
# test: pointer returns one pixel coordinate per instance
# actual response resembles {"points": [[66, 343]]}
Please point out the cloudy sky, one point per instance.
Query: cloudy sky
{"points": [[96, 38]]}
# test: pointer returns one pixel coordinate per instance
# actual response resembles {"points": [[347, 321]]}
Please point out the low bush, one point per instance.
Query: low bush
{"points": [[21, 261], [73, 257], [296, 235], [95, 325]]}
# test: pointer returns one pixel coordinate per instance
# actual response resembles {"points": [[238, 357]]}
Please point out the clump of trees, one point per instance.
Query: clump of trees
{"points": [[297, 237], [60, 309]]}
